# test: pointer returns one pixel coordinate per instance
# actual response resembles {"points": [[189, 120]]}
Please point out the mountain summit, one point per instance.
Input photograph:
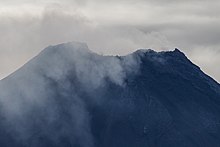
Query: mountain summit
{"points": [[68, 96]]}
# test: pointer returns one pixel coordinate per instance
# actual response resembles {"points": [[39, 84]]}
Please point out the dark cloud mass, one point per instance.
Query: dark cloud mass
{"points": [[111, 27]]}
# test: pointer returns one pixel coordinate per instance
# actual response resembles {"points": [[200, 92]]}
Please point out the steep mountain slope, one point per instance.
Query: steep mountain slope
{"points": [[68, 96]]}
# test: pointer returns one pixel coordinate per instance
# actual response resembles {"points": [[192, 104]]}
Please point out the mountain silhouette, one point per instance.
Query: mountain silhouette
{"points": [[68, 96]]}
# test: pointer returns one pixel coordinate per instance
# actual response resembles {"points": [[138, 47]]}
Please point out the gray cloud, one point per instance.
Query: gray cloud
{"points": [[49, 102], [119, 27]]}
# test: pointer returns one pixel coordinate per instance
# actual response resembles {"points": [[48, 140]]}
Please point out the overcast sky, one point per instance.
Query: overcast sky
{"points": [[111, 27]]}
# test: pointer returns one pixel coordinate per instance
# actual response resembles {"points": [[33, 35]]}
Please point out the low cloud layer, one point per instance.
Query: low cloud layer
{"points": [[50, 98], [118, 27]]}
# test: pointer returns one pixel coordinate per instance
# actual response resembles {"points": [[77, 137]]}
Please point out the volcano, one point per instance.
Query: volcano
{"points": [[68, 96]]}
